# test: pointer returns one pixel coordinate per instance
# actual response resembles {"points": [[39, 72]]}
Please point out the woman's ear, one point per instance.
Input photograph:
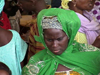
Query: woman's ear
{"points": [[74, 2]]}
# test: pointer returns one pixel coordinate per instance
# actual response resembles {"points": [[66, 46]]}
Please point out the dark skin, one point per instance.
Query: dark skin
{"points": [[81, 5], [5, 37], [56, 41], [32, 5], [4, 69], [97, 42], [26, 5], [3, 72]]}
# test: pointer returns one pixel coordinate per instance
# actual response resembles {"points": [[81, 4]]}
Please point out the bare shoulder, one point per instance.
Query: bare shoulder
{"points": [[5, 37]]}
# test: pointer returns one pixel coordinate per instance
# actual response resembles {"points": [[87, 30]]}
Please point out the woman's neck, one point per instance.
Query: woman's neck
{"points": [[77, 10], [74, 8]]}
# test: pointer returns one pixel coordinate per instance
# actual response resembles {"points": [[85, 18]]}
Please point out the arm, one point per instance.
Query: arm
{"points": [[97, 42]]}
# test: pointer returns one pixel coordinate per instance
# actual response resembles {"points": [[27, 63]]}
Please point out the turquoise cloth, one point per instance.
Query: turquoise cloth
{"points": [[13, 53], [2, 3]]}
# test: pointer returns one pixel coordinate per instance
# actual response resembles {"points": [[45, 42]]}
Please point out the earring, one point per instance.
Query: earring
{"points": [[75, 5]]}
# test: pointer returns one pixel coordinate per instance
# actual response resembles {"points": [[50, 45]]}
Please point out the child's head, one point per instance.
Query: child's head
{"points": [[4, 70]]}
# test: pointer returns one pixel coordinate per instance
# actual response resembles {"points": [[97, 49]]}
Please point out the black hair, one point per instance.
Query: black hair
{"points": [[5, 68], [13, 6], [55, 3]]}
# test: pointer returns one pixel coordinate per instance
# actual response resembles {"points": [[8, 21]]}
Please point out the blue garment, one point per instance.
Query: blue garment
{"points": [[13, 53]]}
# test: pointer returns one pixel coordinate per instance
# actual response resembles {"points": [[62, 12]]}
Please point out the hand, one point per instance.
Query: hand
{"points": [[97, 42]]}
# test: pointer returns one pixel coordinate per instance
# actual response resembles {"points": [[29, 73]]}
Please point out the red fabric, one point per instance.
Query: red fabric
{"points": [[6, 23]]}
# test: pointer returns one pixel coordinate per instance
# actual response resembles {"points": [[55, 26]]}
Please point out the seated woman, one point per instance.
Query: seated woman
{"points": [[89, 29], [62, 54]]}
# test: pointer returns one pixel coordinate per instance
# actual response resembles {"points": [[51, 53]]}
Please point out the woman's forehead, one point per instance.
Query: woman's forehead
{"points": [[54, 32]]}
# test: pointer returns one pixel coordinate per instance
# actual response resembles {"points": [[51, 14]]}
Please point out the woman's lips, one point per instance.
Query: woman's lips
{"points": [[56, 51]]}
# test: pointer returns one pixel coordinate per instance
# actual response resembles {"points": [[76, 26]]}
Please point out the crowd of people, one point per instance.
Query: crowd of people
{"points": [[63, 38]]}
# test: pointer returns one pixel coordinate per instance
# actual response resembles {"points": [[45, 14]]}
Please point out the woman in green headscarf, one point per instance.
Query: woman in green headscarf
{"points": [[57, 29]]}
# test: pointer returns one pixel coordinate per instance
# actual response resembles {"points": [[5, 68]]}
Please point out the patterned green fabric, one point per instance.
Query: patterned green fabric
{"points": [[83, 58]]}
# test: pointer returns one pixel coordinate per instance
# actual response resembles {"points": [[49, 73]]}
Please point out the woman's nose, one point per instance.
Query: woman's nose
{"points": [[54, 44]]}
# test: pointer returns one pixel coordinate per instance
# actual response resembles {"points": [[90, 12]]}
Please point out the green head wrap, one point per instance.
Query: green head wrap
{"points": [[2, 3], [68, 19], [82, 58]]}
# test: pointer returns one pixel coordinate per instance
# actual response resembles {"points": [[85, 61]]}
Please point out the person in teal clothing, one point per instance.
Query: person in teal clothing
{"points": [[12, 48]]}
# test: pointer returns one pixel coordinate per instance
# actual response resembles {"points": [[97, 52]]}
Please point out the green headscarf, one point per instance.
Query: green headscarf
{"points": [[68, 19], [82, 58]]}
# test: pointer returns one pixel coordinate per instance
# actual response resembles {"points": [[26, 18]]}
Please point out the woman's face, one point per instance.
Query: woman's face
{"points": [[85, 4], [56, 40]]}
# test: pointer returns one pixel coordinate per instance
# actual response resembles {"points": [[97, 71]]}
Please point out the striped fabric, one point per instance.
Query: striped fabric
{"points": [[34, 46]]}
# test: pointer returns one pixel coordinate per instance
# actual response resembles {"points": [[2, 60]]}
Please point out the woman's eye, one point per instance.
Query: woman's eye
{"points": [[50, 40], [59, 39]]}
